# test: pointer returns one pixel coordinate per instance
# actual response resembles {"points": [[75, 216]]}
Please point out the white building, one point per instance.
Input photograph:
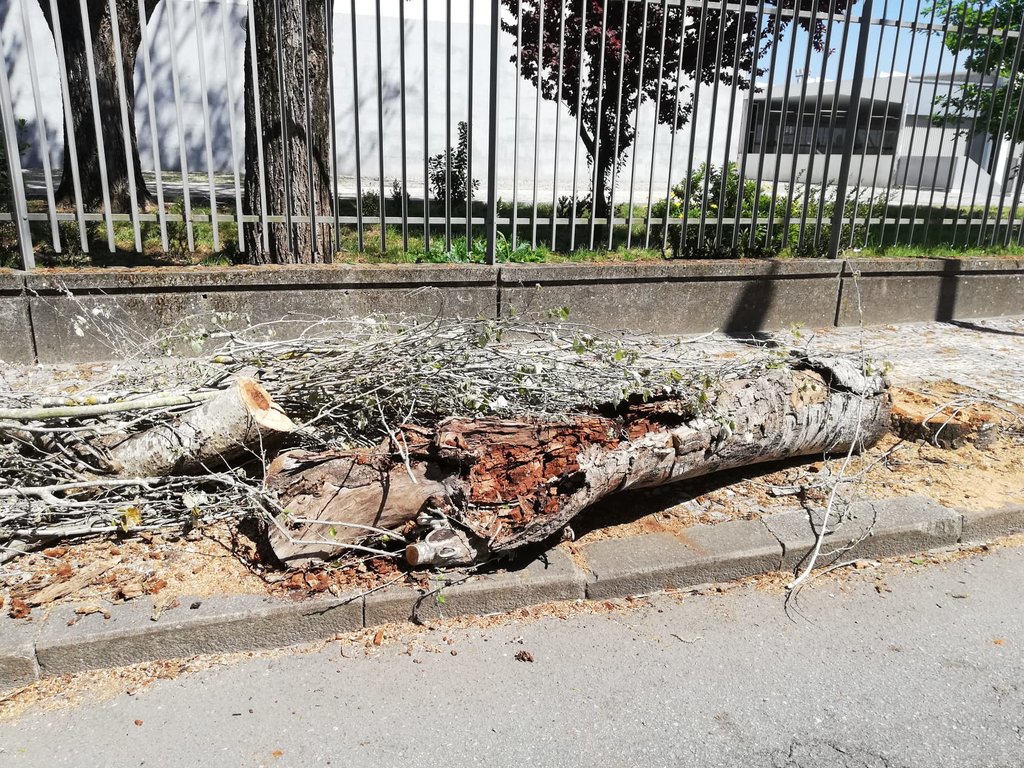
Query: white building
{"points": [[898, 141]]}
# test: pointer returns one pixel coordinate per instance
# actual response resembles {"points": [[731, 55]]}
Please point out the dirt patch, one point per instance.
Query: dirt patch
{"points": [[220, 561]]}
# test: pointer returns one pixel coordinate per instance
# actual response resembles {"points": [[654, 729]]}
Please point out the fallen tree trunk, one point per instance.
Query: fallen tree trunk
{"points": [[506, 484], [236, 421]]}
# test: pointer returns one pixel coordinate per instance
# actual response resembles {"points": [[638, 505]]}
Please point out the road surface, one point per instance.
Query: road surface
{"points": [[928, 674]]}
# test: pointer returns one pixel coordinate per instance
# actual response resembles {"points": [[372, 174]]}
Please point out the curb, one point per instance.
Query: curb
{"points": [[62, 643]]}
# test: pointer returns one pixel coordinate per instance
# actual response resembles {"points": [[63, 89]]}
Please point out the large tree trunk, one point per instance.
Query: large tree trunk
{"points": [[119, 162], [291, 145], [509, 484]]}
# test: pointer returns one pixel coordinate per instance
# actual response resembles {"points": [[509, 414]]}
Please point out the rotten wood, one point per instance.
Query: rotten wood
{"points": [[84, 578], [512, 483]]}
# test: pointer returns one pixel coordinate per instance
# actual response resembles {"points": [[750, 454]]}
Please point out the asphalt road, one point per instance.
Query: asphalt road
{"points": [[929, 674]]}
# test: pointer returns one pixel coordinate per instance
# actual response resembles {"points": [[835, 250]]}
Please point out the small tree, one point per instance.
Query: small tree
{"points": [[634, 31], [453, 169]]}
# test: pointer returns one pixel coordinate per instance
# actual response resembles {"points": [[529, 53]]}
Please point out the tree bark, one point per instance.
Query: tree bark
{"points": [[295, 150], [510, 484], [116, 157], [242, 419]]}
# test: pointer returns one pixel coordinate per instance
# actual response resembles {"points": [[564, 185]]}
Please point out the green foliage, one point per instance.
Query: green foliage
{"points": [[5, 178], [970, 37], [454, 170], [717, 193], [371, 202], [5, 173], [9, 255]]}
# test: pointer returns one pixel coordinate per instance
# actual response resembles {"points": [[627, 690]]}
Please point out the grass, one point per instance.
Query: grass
{"points": [[932, 240]]}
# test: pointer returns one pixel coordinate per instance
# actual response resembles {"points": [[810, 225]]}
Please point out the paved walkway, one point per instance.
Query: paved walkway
{"points": [[987, 355], [892, 667]]}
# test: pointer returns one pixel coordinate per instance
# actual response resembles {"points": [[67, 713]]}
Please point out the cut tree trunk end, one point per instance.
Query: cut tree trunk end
{"points": [[242, 419], [508, 484]]}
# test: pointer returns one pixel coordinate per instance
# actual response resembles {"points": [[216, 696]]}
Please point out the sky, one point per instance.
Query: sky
{"points": [[889, 49]]}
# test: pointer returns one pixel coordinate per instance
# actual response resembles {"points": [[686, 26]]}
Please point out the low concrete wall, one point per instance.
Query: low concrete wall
{"points": [[100, 314], [97, 314], [912, 290], [15, 324], [679, 296]]}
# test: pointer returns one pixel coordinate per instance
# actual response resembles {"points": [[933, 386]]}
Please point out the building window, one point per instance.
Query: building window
{"points": [[880, 134]]}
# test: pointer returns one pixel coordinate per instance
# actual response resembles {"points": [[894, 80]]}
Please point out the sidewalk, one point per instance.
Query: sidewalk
{"points": [[673, 539], [986, 355]]}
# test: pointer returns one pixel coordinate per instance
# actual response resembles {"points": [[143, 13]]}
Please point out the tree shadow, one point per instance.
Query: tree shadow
{"points": [[945, 308], [750, 310]]}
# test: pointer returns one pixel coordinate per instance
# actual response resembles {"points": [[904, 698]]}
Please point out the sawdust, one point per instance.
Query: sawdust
{"points": [[100, 685], [220, 561]]}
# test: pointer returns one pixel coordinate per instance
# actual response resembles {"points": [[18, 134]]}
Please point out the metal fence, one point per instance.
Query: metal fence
{"points": [[495, 129]]}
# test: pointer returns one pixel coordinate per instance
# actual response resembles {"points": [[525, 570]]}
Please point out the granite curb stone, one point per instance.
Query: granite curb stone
{"points": [[68, 643], [872, 529], [704, 553], [550, 578], [987, 524], [18, 664]]}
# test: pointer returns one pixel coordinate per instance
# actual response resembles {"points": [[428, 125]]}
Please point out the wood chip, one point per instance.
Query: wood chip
{"points": [[84, 578], [19, 609], [131, 590], [163, 602], [87, 609]]}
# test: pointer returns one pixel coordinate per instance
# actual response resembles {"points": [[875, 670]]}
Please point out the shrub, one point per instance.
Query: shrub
{"points": [[688, 200], [456, 169]]}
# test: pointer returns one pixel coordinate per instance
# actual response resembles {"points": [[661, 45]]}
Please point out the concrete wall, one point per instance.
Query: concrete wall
{"points": [[104, 314], [16, 334], [88, 315], [679, 297], [907, 290]]}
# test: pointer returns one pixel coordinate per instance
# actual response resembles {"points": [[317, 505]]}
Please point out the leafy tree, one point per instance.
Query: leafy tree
{"points": [[995, 96], [633, 31], [455, 170]]}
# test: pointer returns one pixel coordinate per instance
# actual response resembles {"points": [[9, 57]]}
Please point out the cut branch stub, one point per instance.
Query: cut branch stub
{"points": [[239, 420], [513, 483]]}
